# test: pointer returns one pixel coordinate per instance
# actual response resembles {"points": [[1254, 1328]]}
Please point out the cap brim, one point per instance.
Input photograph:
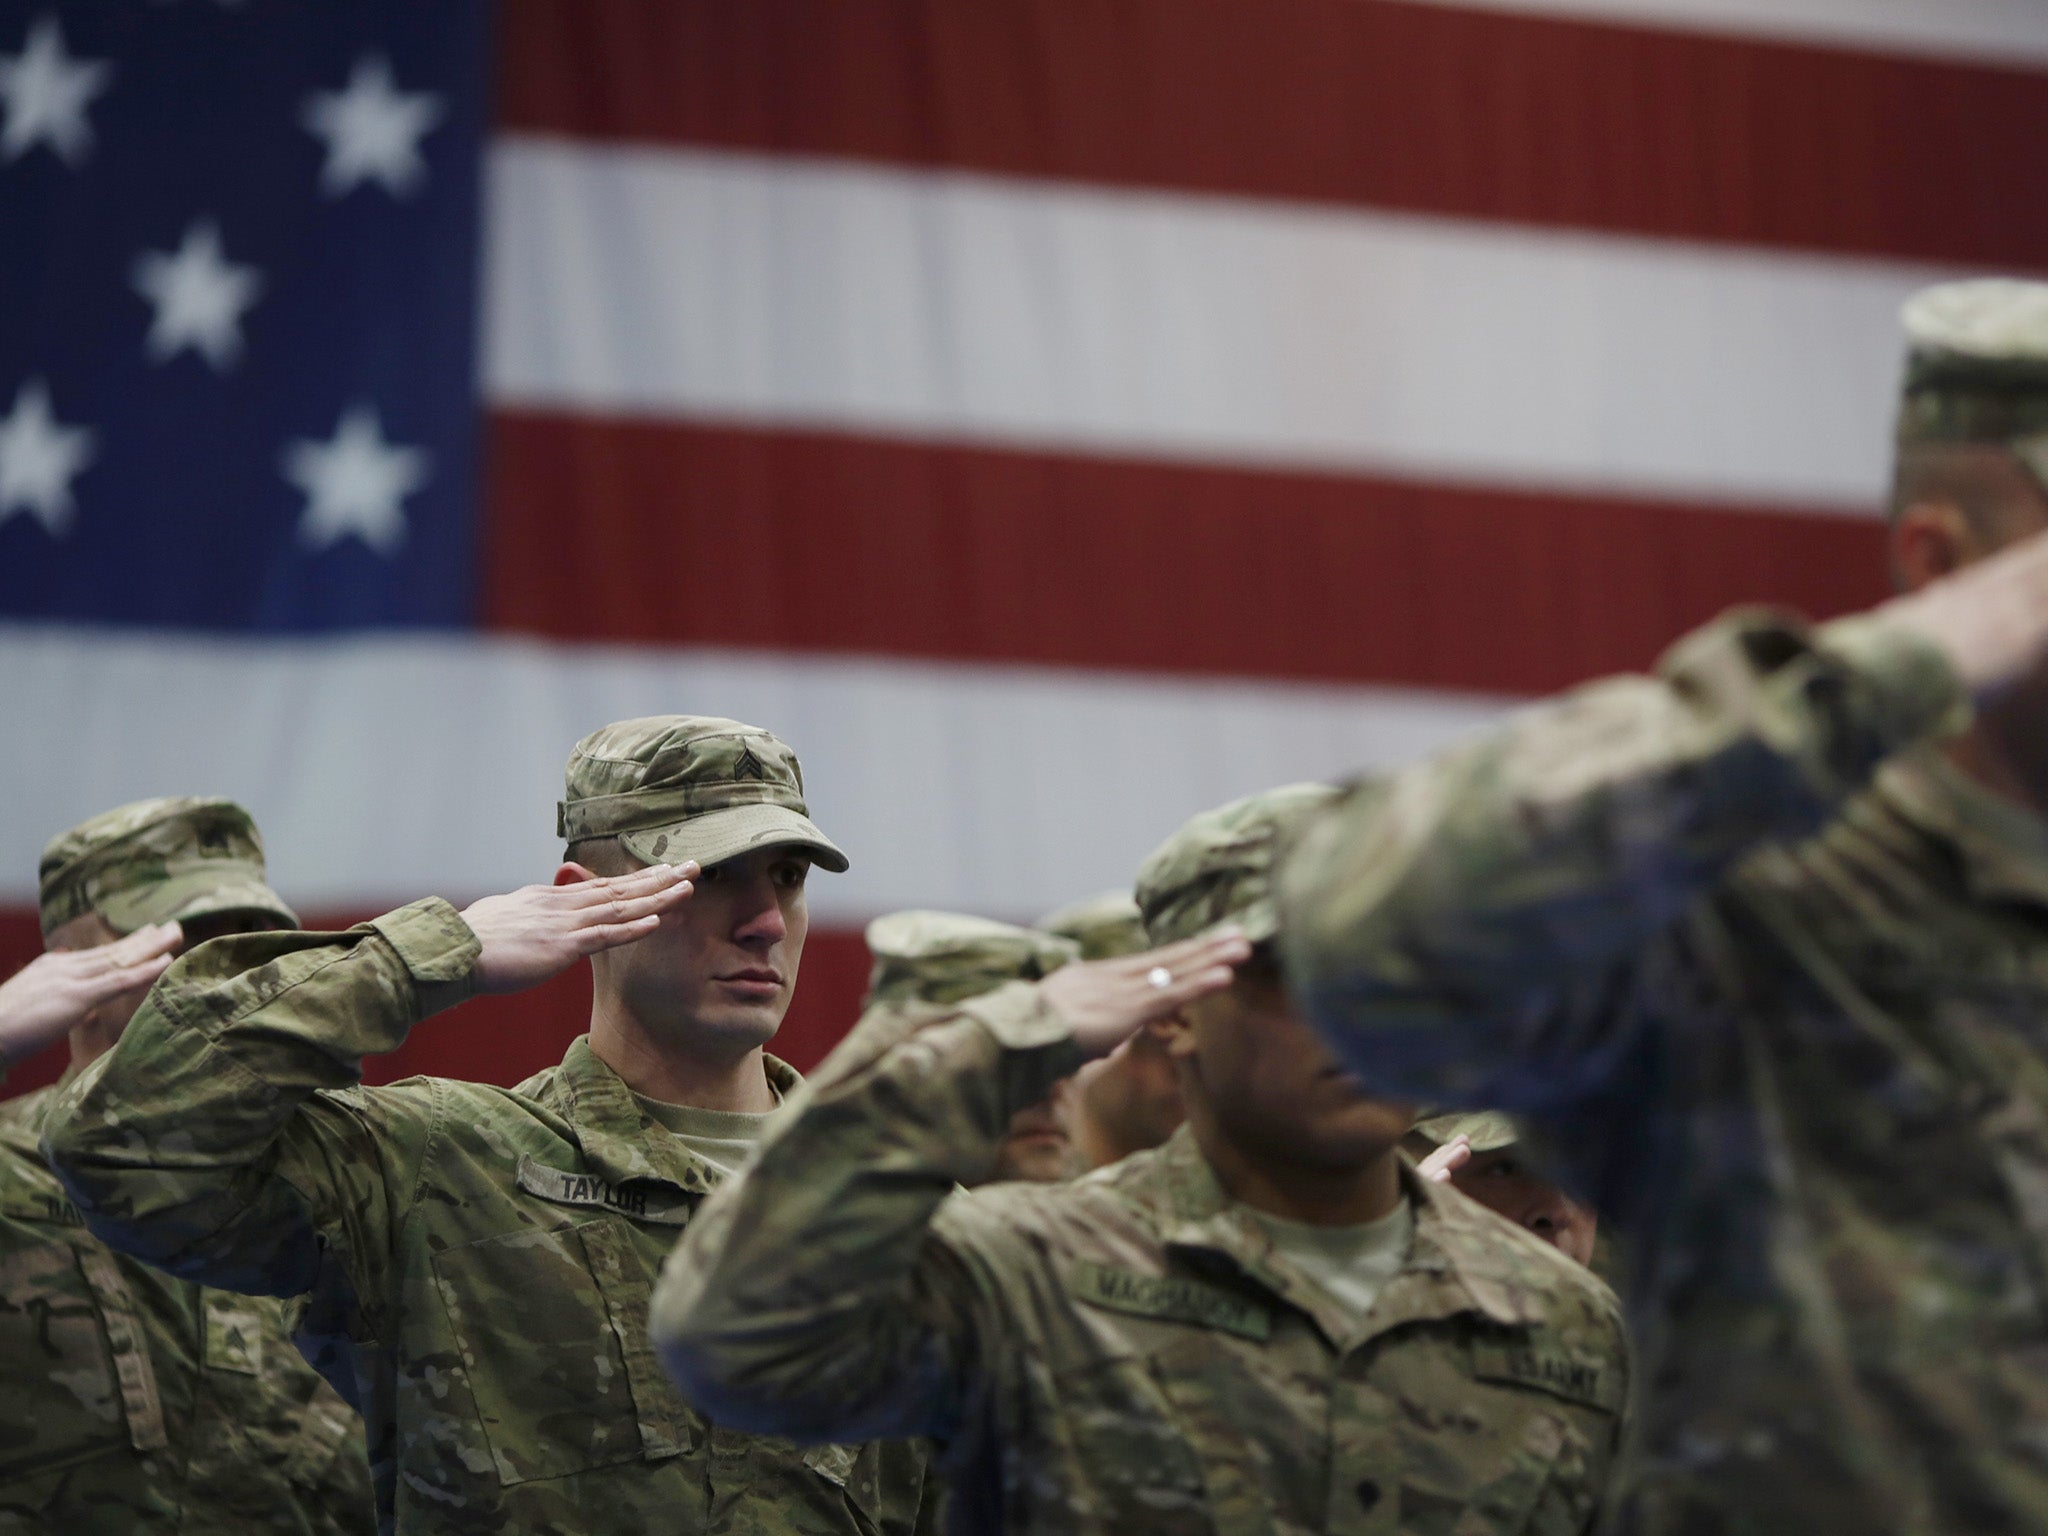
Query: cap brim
{"points": [[717, 836], [194, 893], [1486, 1130]]}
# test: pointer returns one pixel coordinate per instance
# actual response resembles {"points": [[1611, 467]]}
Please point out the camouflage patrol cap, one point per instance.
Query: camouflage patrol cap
{"points": [[948, 957], [1219, 867], [678, 787], [1104, 926], [1487, 1130], [1977, 367], [156, 861]]}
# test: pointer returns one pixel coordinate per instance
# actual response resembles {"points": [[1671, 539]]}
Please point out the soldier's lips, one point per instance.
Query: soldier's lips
{"points": [[754, 982]]}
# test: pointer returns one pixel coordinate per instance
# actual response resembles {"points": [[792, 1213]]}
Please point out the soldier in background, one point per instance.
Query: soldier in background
{"points": [[1766, 935], [925, 960], [1269, 1324], [129, 1400], [1129, 1100], [1479, 1154], [477, 1261]]}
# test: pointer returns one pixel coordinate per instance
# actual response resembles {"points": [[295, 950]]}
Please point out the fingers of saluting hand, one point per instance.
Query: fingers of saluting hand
{"points": [[135, 961], [1446, 1159], [622, 919], [1178, 974]]}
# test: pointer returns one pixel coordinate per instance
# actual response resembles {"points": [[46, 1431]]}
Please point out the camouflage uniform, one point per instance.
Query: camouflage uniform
{"points": [[1104, 926], [948, 957], [476, 1261], [1783, 978], [135, 1402], [1125, 1353]]}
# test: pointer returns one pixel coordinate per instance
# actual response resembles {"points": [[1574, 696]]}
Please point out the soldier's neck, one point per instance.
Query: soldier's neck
{"points": [[1323, 1197], [656, 1069]]}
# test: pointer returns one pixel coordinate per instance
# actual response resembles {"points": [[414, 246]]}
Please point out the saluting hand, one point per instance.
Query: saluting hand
{"points": [[531, 933], [1446, 1159], [1107, 1001], [59, 989]]}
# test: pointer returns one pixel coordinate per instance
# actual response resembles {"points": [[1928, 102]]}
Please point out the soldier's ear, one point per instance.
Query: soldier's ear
{"points": [[569, 872]]}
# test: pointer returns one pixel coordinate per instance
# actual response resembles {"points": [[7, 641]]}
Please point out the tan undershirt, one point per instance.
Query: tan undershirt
{"points": [[1353, 1264], [722, 1137]]}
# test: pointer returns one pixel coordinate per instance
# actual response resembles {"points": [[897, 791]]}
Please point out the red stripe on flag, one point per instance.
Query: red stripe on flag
{"points": [[661, 532], [1533, 120], [507, 1039]]}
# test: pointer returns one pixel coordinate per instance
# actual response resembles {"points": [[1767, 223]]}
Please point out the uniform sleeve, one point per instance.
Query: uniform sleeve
{"points": [[832, 1292], [1464, 933], [224, 1139]]}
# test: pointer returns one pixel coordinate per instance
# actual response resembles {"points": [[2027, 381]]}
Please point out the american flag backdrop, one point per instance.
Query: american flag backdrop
{"points": [[1052, 416]]}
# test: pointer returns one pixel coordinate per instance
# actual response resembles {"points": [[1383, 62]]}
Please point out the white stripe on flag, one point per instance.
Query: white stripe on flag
{"points": [[384, 769], [1991, 31], [740, 288]]}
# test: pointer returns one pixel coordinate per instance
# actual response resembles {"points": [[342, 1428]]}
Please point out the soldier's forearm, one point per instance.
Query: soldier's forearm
{"points": [[1487, 884], [169, 1144]]}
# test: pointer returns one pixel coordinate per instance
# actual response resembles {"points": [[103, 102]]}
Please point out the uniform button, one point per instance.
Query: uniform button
{"points": [[1368, 1493]]}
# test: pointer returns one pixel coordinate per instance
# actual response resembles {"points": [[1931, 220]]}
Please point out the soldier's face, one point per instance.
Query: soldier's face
{"points": [[1267, 1081], [719, 972], [1505, 1185], [1126, 1101], [1036, 1149]]}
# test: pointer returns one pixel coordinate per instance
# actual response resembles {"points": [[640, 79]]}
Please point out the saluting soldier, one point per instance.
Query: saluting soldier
{"points": [[1129, 1100], [476, 1262], [130, 1401], [926, 959], [1268, 1325], [1767, 935]]}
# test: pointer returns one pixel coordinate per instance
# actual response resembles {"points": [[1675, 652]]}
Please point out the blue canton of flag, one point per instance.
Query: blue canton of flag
{"points": [[238, 255]]}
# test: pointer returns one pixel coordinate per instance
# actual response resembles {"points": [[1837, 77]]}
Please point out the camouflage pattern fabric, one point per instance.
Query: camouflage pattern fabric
{"points": [[1219, 867], [155, 861], [1782, 975], [948, 957], [1104, 926], [1484, 1130], [1125, 1353], [476, 1262], [1977, 367], [676, 787], [137, 1403]]}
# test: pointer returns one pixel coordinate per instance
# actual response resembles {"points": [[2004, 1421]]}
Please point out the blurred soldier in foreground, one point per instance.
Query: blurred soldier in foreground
{"points": [[1129, 1100], [927, 960], [1270, 1324], [478, 1260], [131, 1401], [1479, 1155], [1769, 933]]}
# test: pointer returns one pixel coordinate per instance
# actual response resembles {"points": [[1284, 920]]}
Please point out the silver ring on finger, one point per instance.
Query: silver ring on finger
{"points": [[1159, 976]]}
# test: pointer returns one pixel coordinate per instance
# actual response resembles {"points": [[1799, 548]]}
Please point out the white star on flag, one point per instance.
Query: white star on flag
{"points": [[199, 297], [372, 130], [355, 484], [46, 92], [39, 459]]}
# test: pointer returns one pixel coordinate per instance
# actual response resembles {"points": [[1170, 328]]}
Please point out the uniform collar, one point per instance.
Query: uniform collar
{"points": [[619, 1142], [2002, 847], [1454, 1265]]}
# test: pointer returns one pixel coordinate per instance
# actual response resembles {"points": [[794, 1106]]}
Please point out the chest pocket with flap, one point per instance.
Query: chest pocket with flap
{"points": [[551, 1327]]}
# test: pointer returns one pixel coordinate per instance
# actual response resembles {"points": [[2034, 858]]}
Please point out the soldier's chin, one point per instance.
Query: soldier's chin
{"points": [[731, 1025]]}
